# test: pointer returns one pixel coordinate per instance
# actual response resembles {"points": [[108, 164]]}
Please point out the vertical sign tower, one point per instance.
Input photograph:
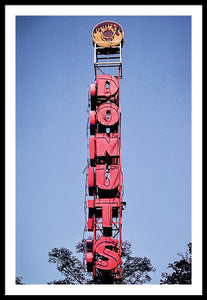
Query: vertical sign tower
{"points": [[104, 173]]}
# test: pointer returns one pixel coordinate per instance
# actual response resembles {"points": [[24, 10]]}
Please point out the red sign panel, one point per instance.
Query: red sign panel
{"points": [[105, 203]]}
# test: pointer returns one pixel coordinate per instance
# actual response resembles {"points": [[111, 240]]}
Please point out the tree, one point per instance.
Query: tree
{"points": [[68, 265], [18, 280], [181, 268], [135, 269]]}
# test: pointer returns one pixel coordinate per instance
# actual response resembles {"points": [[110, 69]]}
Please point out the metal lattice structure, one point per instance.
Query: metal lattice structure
{"points": [[104, 187]]}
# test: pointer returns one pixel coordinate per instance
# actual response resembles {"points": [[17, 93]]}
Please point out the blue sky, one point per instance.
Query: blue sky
{"points": [[54, 68]]}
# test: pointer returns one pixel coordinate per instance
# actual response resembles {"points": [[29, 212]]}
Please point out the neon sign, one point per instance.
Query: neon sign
{"points": [[104, 173]]}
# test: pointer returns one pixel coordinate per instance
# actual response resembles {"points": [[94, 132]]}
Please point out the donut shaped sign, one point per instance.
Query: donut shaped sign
{"points": [[108, 34]]}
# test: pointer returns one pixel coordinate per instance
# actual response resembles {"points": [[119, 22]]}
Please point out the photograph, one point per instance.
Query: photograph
{"points": [[103, 127]]}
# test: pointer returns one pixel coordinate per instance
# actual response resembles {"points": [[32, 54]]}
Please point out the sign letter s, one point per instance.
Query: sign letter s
{"points": [[111, 258]]}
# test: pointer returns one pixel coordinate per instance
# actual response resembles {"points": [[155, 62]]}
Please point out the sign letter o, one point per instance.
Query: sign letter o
{"points": [[108, 114]]}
